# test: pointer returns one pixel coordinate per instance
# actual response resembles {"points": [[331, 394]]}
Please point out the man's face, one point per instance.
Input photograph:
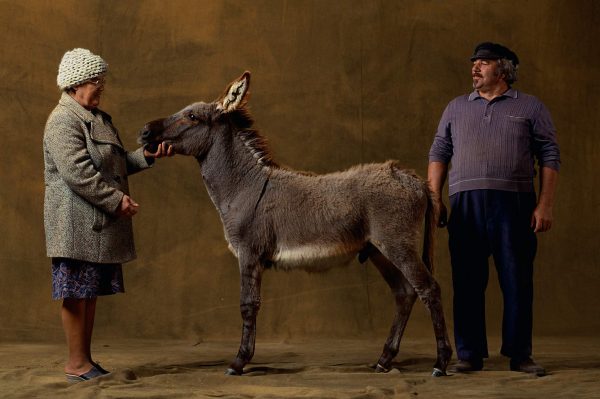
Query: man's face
{"points": [[486, 75]]}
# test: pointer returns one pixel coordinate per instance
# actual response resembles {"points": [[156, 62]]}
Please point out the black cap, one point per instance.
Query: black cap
{"points": [[494, 51]]}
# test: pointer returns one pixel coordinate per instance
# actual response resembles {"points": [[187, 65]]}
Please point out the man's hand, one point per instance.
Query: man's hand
{"points": [[541, 220], [162, 150], [442, 216], [436, 176], [127, 207]]}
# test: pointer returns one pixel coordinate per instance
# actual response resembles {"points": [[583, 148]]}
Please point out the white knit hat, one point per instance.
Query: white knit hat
{"points": [[79, 65]]}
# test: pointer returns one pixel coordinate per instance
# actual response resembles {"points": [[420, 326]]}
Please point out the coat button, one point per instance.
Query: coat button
{"points": [[118, 179]]}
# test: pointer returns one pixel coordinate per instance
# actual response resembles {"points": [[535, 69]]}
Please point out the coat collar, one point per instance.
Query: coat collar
{"points": [[102, 132], [72, 105]]}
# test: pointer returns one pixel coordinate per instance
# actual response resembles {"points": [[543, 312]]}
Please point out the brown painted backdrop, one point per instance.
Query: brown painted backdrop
{"points": [[334, 83]]}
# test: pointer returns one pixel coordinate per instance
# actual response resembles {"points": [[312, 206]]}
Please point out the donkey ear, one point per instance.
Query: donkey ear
{"points": [[235, 95]]}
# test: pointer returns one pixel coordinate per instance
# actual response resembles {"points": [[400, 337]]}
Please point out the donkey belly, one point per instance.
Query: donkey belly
{"points": [[314, 257]]}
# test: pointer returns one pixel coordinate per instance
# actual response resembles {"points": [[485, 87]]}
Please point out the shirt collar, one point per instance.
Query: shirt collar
{"points": [[512, 93]]}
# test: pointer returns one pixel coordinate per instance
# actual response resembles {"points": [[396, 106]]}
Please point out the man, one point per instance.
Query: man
{"points": [[492, 137]]}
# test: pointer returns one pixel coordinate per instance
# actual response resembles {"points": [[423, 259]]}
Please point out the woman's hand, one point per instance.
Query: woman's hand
{"points": [[162, 150], [127, 207]]}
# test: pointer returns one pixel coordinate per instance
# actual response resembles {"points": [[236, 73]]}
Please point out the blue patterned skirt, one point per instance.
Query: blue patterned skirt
{"points": [[79, 279]]}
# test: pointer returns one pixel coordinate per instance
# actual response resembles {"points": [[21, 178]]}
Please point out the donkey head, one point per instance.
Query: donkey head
{"points": [[192, 130]]}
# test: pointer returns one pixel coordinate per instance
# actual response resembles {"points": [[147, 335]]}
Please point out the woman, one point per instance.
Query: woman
{"points": [[87, 207]]}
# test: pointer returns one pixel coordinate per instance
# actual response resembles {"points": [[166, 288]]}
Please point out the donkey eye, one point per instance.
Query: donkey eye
{"points": [[192, 117]]}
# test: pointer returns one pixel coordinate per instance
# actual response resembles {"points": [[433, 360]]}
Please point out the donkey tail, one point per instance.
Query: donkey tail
{"points": [[428, 235], [430, 214]]}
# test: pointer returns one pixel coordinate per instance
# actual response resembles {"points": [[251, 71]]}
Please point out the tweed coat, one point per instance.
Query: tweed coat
{"points": [[86, 173]]}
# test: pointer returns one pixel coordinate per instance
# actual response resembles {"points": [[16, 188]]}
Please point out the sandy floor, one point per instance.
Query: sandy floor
{"points": [[296, 369]]}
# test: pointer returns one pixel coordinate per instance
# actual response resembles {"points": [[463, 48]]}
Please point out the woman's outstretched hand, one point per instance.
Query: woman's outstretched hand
{"points": [[163, 150]]}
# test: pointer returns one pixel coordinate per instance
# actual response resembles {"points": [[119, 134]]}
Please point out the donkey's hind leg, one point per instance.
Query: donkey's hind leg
{"points": [[405, 297], [405, 258]]}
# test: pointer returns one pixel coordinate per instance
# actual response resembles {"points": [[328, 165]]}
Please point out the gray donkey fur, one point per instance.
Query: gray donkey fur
{"points": [[281, 218]]}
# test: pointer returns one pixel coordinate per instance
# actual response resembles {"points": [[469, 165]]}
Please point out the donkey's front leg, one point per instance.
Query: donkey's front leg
{"points": [[250, 275]]}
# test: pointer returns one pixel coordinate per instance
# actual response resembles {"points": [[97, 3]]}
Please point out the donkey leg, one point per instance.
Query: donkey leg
{"points": [[250, 275], [405, 297], [428, 290]]}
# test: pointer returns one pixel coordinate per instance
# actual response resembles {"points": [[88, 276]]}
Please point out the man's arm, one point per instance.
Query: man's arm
{"points": [[436, 176], [541, 220]]}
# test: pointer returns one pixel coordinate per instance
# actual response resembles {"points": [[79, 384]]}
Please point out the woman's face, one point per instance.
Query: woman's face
{"points": [[88, 94]]}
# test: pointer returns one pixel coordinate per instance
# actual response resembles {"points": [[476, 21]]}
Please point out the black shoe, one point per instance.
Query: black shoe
{"points": [[465, 366], [527, 365]]}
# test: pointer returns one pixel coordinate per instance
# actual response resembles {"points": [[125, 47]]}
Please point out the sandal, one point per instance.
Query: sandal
{"points": [[100, 368], [93, 373]]}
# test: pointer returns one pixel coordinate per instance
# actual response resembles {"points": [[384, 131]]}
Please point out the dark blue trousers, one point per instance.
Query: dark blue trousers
{"points": [[496, 223]]}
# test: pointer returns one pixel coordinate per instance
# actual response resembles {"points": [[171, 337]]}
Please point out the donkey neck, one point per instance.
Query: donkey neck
{"points": [[234, 178]]}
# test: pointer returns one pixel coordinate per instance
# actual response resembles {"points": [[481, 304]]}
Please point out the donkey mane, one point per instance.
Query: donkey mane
{"points": [[252, 139], [257, 144]]}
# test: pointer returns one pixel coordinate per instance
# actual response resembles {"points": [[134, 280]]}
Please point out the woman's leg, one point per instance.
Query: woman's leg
{"points": [[90, 314], [74, 318]]}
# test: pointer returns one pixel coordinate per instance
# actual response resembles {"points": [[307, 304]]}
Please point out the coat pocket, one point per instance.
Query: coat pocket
{"points": [[98, 220], [86, 215]]}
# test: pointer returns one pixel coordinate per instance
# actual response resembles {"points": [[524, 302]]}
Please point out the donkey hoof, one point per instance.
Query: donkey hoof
{"points": [[380, 369], [438, 373], [231, 371]]}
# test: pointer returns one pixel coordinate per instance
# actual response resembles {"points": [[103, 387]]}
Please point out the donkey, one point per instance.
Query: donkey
{"points": [[275, 217]]}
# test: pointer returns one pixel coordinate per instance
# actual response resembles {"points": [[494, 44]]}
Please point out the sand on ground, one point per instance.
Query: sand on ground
{"points": [[307, 368]]}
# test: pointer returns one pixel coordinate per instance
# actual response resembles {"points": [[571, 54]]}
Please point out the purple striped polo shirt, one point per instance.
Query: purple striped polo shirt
{"points": [[492, 144]]}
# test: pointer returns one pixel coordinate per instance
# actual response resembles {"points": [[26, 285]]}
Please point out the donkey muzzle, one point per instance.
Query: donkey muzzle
{"points": [[147, 138], [146, 135], [151, 132]]}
